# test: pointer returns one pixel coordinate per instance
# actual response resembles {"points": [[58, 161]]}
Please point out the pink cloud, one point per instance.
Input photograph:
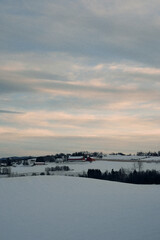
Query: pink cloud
{"points": [[61, 124], [135, 69]]}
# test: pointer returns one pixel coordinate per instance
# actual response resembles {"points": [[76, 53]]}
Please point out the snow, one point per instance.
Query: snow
{"points": [[131, 158], [69, 208], [79, 167], [122, 157], [152, 158]]}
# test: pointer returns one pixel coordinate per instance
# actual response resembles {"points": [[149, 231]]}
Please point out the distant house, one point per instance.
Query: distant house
{"points": [[32, 161]]}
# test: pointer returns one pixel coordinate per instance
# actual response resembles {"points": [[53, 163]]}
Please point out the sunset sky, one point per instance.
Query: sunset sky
{"points": [[79, 75]]}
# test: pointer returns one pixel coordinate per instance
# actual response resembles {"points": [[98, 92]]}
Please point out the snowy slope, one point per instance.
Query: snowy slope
{"points": [[122, 157], [130, 158], [79, 167], [66, 208]]}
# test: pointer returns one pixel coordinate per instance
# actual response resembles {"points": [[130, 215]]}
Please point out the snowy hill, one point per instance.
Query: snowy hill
{"points": [[131, 158], [67, 208]]}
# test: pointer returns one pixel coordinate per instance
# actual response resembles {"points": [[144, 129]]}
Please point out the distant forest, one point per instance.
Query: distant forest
{"points": [[135, 177], [156, 154]]}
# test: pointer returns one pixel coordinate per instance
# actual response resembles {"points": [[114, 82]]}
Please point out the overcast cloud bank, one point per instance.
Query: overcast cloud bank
{"points": [[84, 70]]}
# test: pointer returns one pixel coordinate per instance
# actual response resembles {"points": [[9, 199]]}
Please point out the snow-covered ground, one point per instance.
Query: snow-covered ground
{"points": [[79, 167], [69, 208], [131, 158], [122, 157]]}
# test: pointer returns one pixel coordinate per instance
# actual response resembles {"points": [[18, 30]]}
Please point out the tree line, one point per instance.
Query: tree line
{"points": [[135, 177], [155, 154]]}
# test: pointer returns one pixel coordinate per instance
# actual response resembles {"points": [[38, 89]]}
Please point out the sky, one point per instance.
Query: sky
{"points": [[79, 76]]}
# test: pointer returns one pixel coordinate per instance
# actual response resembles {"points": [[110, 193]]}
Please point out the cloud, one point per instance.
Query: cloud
{"points": [[14, 85], [79, 85], [106, 30], [62, 124], [134, 69], [9, 112], [83, 68]]}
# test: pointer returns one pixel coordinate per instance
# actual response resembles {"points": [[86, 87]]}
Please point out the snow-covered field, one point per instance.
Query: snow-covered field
{"points": [[122, 157], [70, 208], [131, 158], [79, 167]]}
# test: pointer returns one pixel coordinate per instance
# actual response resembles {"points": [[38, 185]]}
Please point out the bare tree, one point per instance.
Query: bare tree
{"points": [[138, 165]]}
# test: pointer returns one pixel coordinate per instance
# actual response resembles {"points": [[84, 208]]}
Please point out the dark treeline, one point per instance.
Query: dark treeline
{"points": [[142, 177], [58, 168], [156, 154]]}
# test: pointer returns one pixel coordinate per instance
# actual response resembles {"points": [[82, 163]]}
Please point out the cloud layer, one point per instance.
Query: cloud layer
{"points": [[82, 73]]}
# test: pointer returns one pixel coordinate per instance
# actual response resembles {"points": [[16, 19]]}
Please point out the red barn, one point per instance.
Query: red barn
{"points": [[89, 159]]}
